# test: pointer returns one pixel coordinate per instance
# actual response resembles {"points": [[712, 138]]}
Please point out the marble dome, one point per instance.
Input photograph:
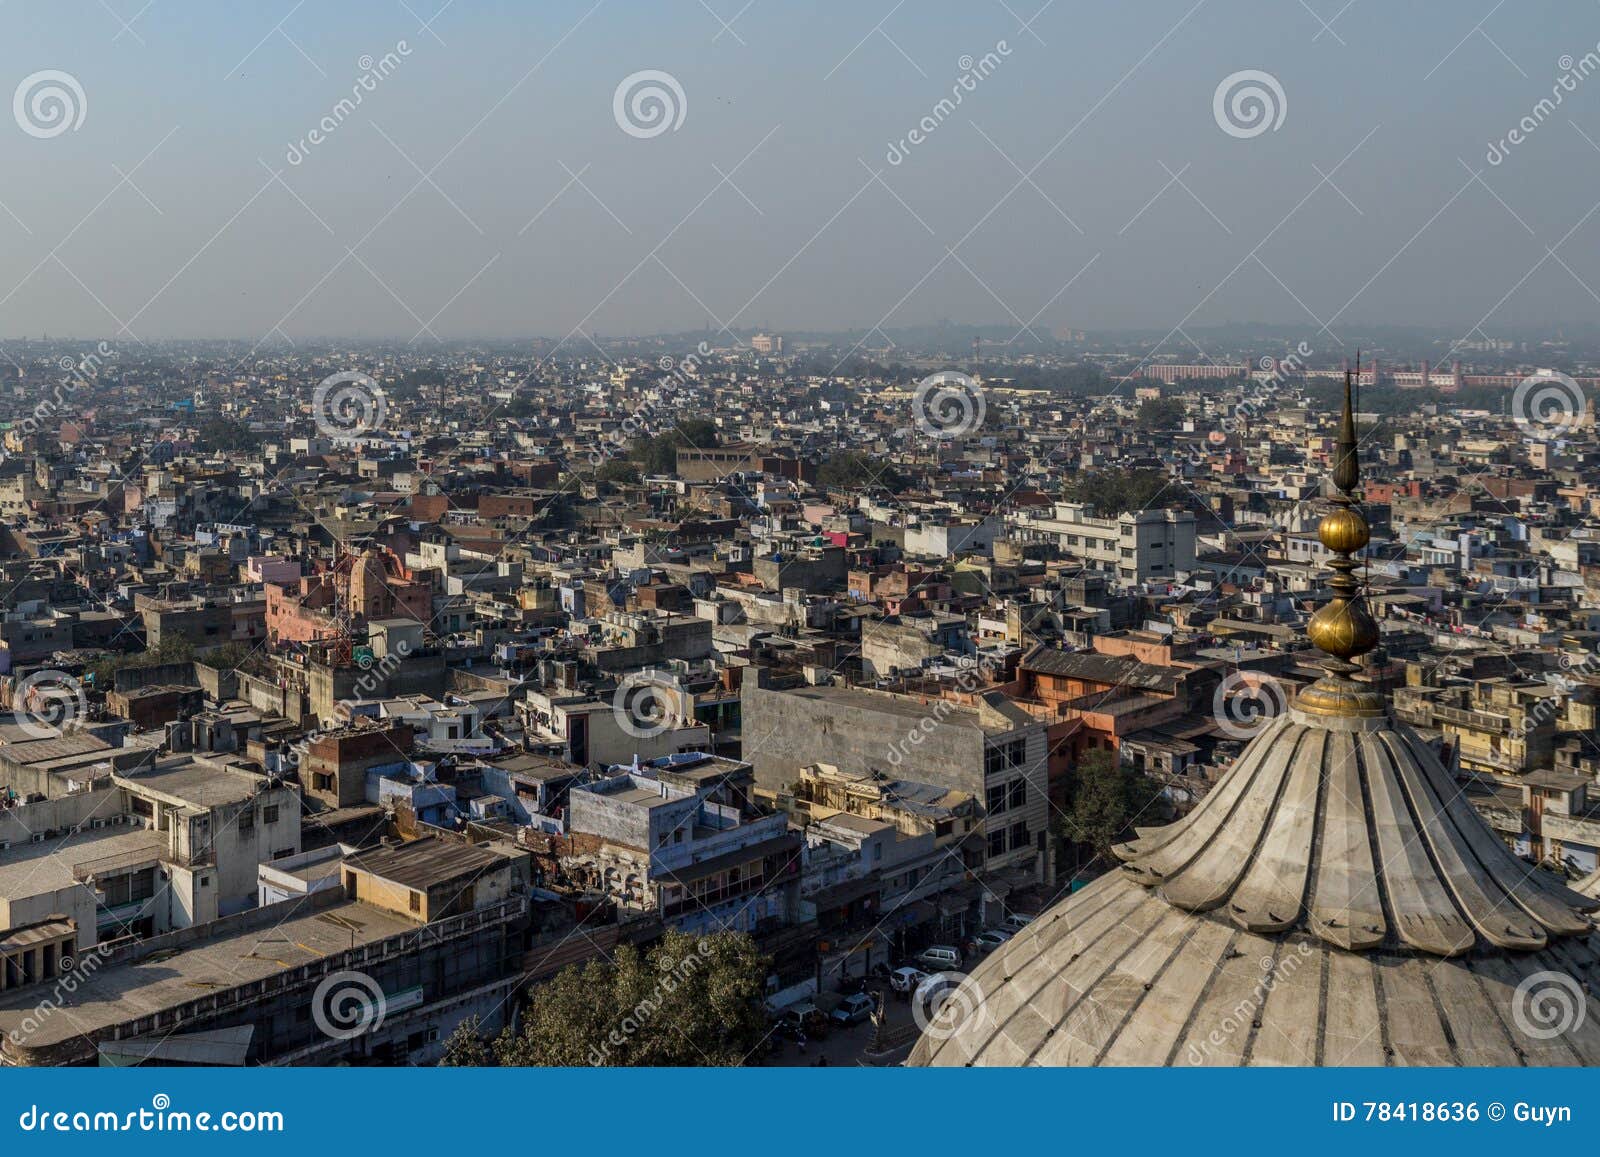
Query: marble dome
{"points": [[1335, 899]]}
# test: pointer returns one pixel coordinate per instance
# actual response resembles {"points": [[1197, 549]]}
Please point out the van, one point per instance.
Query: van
{"points": [[940, 958]]}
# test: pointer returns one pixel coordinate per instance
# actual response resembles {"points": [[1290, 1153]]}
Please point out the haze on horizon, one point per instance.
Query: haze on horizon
{"points": [[486, 184]]}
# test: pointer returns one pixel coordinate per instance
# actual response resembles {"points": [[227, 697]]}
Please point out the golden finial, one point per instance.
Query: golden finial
{"points": [[1343, 627]]}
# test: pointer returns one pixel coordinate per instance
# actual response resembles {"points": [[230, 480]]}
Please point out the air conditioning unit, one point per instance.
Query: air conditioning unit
{"points": [[5, 845], [98, 824], [36, 838]]}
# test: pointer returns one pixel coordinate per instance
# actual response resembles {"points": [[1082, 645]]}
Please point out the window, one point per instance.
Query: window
{"points": [[1019, 836], [269, 815], [1017, 793], [416, 901], [997, 843], [996, 798]]}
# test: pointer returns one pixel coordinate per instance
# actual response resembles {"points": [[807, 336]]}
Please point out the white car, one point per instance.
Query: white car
{"points": [[990, 940], [906, 979], [940, 958], [1016, 922]]}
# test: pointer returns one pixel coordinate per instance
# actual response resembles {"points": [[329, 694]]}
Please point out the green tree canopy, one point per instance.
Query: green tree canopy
{"points": [[1113, 492], [466, 1047], [1160, 414], [1107, 799], [691, 1000], [617, 470], [659, 454], [853, 470]]}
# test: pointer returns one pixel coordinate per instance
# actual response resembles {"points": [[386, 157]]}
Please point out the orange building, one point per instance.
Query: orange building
{"points": [[364, 587]]}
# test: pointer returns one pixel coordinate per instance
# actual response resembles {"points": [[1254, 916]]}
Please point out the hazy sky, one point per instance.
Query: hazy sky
{"points": [[540, 214]]}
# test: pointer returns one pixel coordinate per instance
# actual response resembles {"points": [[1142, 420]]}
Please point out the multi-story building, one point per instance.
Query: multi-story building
{"points": [[1137, 547], [681, 838]]}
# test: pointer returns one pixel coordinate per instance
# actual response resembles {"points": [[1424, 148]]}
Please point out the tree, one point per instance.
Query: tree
{"points": [[466, 1048], [853, 470], [618, 470], [692, 1000], [226, 435], [659, 454], [1113, 492], [1107, 799], [1160, 414]]}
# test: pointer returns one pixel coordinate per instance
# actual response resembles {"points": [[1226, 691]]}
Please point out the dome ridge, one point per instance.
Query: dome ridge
{"points": [[1350, 829]]}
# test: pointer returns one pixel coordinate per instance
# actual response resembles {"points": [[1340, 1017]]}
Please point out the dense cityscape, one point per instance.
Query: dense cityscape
{"points": [[728, 698], [1024, 573]]}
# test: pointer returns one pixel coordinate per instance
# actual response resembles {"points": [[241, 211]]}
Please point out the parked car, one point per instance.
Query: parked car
{"points": [[1016, 922], [801, 1018], [852, 1009], [905, 979], [940, 958], [989, 940]]}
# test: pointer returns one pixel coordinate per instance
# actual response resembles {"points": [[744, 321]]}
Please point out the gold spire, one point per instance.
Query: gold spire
{"points": [[1343, 627]]}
